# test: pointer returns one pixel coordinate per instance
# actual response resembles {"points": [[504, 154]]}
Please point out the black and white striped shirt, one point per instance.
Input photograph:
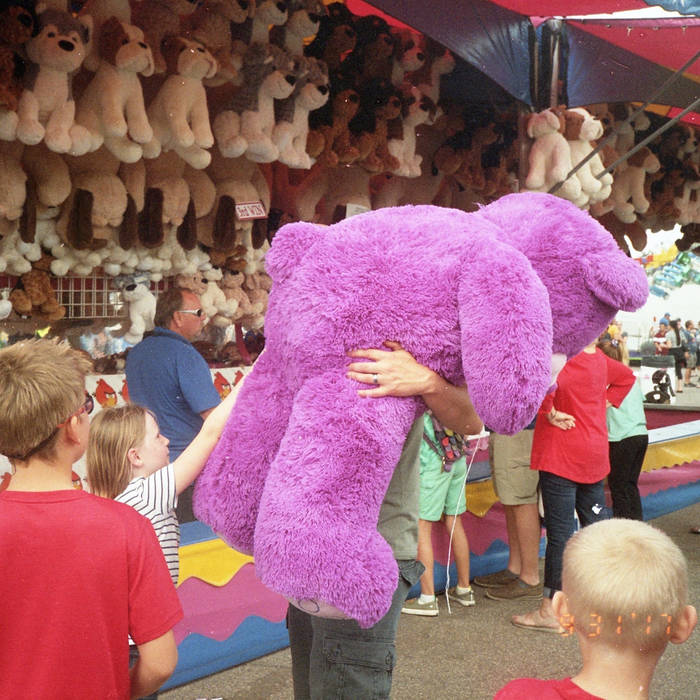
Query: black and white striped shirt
{"points": [[155, 497]]}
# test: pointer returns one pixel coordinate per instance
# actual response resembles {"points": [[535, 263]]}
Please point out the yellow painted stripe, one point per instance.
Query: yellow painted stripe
{"points": [[212, 561], [669, 454]]}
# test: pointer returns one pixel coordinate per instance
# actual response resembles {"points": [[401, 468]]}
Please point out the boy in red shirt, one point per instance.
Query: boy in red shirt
{"points": [[78, 573], [624, 594]]}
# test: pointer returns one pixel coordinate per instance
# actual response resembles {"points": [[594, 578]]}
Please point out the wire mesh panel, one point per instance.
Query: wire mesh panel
{"points": [[95, 296]]}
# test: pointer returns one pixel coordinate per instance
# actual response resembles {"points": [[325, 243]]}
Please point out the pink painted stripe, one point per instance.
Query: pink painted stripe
{"points": [[216, 611]]}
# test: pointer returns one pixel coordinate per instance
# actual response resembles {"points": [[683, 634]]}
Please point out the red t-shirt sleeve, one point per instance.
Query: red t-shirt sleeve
{"points": [[154, 606], [547, 403], [620, 380]]}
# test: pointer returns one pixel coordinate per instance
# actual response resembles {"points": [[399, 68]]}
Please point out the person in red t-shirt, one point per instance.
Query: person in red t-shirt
{"points": [[78, 573], [625, 596], [570, 450]]}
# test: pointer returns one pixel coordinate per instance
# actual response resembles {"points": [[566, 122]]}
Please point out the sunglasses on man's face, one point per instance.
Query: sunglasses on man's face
{"points": [[195, 312]]}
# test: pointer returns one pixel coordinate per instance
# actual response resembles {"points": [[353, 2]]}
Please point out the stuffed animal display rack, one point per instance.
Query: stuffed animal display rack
{"points": [[299, 474]]}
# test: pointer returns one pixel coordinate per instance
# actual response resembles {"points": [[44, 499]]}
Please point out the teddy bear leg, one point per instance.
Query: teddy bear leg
{"points": [[193, 155], [227, 492], [316, 538], [8, 125], [123, 148]]}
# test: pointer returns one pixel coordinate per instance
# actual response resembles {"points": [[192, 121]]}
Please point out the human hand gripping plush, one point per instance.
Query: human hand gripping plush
{"points": [[304, 462]]}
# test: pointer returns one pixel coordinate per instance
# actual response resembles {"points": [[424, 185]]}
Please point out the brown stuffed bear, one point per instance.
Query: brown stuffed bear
{"points": [[380, 102], [35, 296], [336, 36], [329, 128], [373, 56]]}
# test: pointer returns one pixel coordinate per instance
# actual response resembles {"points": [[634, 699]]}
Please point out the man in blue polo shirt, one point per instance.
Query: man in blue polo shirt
{"points": [[166, 374]]}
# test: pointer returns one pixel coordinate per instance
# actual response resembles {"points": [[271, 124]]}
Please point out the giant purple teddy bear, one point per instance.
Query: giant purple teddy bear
{"points": [[487, 297]]}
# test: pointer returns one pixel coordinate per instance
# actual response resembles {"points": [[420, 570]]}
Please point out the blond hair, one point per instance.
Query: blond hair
{"points": [[626, 583], [42, 382], [113, 432]]}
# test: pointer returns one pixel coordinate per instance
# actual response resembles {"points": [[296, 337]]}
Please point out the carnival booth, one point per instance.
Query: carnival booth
{"points": [[173, 139]]}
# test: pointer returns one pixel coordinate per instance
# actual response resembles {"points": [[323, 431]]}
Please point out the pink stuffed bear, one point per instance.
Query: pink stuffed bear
{"points": [[304, 462]]}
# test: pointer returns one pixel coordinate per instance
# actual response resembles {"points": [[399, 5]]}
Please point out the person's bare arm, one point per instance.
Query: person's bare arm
{"points": [[207, 413], [155, 664], [192, 460], [395, 372]]}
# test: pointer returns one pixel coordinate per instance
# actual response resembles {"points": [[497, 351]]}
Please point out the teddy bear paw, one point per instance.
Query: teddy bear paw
{"points": [[124, 149], [29, 132], [262, 151]]}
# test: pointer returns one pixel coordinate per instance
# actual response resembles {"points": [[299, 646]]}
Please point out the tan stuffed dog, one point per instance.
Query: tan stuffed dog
{"points": [[178, 114], [112, 106]]}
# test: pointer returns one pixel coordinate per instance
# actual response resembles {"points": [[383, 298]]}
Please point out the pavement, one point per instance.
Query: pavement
{"points": [[472, 652]]}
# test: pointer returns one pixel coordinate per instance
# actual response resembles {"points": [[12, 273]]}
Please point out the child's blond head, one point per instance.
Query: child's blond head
{"points": [[42, 382], [113, 432], [626, 583]]}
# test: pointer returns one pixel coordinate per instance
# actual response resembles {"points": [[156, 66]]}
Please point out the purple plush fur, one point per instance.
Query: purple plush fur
{"points": [[303, 465]]}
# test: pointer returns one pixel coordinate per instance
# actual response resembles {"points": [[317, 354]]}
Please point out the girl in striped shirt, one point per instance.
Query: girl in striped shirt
{"points": [[127, 460]]}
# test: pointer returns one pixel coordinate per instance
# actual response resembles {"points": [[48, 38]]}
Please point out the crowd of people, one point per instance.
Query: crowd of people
{"points": [[680, 341], [88, 579]]}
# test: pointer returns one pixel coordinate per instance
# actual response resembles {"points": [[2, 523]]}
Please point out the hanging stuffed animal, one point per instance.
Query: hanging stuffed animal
{"points": [[311, 92], [429, 278], [550, 156], [408, 57], [178, 114], [303, 23], [210, 24], [46, 109], [416, 109], [336, 36], [246, 125], [628, 189], [256, 29], [160, 19], [112, 107]]}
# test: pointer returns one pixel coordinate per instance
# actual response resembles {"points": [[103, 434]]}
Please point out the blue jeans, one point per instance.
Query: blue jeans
{"points": [[560, 497], [338, 659]]}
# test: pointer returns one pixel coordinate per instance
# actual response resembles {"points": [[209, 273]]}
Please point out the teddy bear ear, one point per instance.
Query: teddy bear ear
{"points": [[519, 364], [291, 244], [615, 279]]}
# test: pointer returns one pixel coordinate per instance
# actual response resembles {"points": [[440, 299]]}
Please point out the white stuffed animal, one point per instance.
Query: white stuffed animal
{"points": [[178, 114], [581, 130], [112, 106], [628, 189], [142, 309], [416, 109], [46, 108], [408, 55], [214, 301], [550, 156]]}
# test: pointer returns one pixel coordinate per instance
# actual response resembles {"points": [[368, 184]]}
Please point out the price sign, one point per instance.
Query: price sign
{"points": [[245, 211]]}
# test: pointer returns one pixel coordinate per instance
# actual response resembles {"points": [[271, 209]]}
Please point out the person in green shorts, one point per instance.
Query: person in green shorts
{"points": [[442, 499]]}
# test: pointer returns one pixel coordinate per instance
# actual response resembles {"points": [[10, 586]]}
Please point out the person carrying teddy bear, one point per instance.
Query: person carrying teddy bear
{"points": [[391, 371]]}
